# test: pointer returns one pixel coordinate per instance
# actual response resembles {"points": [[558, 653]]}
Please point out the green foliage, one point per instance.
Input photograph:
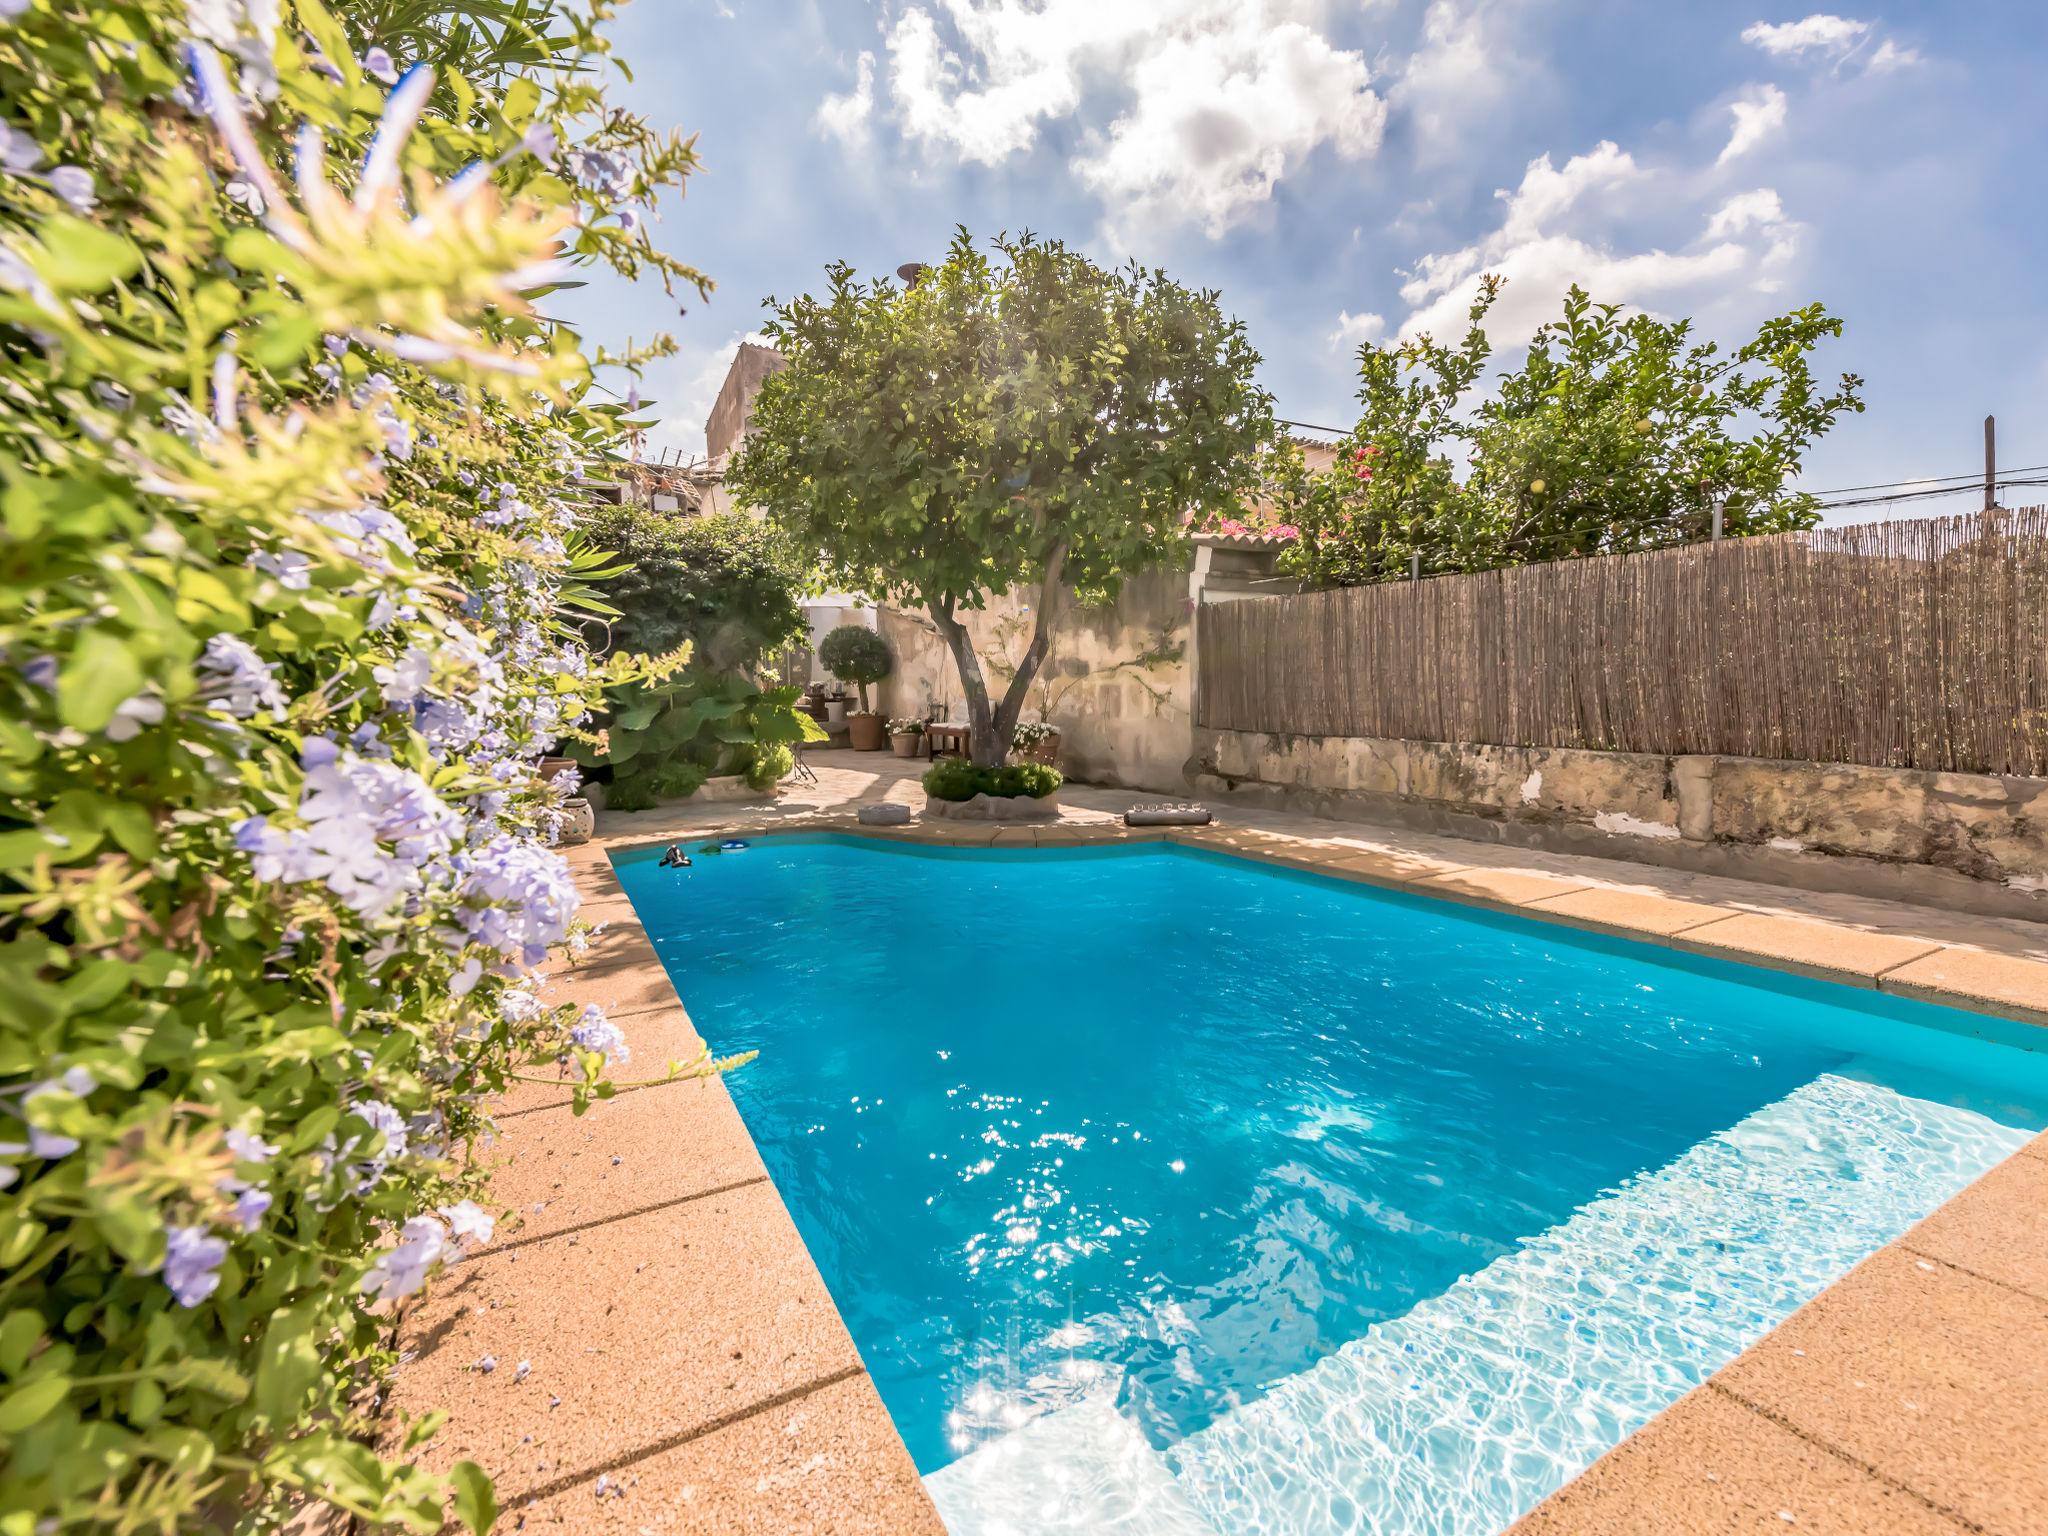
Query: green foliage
{"points": [[1617, 433], [1033, 420], [853, 653], [727, 586], [668, 734], [768, 766], [955, 778], [286, 619]]}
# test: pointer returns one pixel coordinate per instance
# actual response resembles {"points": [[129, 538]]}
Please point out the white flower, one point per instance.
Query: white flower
{"points": [[469, 1222], [132, 715], [402, 1269]]}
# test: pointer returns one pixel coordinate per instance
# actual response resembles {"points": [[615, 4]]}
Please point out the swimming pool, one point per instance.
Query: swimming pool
{"points": [[1167, 1188]]}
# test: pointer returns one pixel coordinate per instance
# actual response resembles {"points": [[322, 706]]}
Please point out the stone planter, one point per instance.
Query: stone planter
{"points": [[996, 808], [866, 732], [906, 745]]}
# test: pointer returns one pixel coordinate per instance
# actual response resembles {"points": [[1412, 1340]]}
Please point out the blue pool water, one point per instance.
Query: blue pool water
{"points": [[1171, 1189]]}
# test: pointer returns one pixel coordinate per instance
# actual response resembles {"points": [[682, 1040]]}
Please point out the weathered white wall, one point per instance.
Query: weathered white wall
{"points": [[1117, 680]]}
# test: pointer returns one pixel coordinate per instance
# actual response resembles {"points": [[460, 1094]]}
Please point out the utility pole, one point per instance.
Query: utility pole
{"points": [[1990, 462]]}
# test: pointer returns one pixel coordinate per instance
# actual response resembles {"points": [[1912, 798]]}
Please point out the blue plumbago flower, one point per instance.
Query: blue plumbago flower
{"points": [[539, 140], [249, 1146], [250, 1207], [599, 171], [404, 680], [245, 28], [192, 1260], [19, 153], [74, 184], [294, 571], [368, 535], [386, 1121], [143, 709], [594, 1032], [370, 827], [76, 1082], [403, 1268], [469, 1222], [518, 1005], [238, 680], [566, 783], [13, 10], [517, 899], [378, 66], [40, 672]]}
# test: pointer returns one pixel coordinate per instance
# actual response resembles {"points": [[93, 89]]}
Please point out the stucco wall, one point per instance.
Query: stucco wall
{"points": [[1973, 840], [1116, 680]]}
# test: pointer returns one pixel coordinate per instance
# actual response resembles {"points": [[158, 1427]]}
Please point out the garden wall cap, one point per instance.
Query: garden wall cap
{"points": [[1247, 540]]}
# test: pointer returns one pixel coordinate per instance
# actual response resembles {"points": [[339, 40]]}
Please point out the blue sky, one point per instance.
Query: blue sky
{"points": [[1346, 171]]}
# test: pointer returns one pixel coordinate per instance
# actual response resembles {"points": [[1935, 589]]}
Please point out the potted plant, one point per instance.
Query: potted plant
{"points": [[905, 737], [1036, 742], [855, 654]]}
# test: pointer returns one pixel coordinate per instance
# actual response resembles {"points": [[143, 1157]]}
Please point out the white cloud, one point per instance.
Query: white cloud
{"points": [[1352, 330], [1758, 114], [1221, 115], [1219, 99], [1455, 70], [1835, 39], [1543, 246], [845, 117], [1830, 36]]}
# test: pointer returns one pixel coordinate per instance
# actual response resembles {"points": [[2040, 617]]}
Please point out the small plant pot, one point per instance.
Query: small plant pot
{"points": [[835, 713], [866, 733], [905, 745], [1044, 750]]}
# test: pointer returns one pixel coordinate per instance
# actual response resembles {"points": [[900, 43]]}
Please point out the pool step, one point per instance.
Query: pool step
{"points": [[1456, 1417], [1078, 1471], [1461, 1414]]}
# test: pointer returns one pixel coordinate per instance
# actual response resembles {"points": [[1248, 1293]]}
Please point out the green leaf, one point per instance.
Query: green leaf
{"points": [[476, 1506], [29, 1404], [83, 258], [98, 678]]}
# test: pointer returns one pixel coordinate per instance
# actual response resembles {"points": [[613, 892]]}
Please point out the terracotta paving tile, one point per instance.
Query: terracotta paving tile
{"points": [[1385, 867], [554, 1170], [1815, 949], [617, 989], [1503, 887], [1627, 911], [1997, 1228], [1931, 1377], [2005, 982], [2038, 1147], [827, 1463], [1710, 1464], [655, 1036], [645, 1328]]}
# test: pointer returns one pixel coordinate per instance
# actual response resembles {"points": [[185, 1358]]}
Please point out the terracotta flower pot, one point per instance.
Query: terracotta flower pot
{"points": [[905, 745], [866, 733]]}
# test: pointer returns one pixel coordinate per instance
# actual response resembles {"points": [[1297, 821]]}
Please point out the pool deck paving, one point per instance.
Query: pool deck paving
{"points": [[686, 1370]]}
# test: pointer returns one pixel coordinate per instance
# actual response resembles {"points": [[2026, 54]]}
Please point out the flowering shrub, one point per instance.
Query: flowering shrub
{"points": [[288, 472], [906, 727]]}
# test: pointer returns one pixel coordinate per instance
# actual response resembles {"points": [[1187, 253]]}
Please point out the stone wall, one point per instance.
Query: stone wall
{"points": [[1117, 680], [1973, 841]]}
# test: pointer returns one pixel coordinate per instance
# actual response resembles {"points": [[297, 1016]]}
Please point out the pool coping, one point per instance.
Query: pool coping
{"points": [[775, 1426]]}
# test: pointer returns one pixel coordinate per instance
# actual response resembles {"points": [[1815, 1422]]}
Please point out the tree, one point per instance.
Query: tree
{"points": [[1029, 420], [855, 654], [1617, 433], [726, 585]]}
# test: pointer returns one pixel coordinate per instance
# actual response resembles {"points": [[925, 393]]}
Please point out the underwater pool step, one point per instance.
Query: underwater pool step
{"points": [[1079, 1471], [1461, 1414]]}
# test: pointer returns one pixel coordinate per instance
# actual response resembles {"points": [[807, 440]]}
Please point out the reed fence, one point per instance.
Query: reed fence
{"points": [[1912, 643]]}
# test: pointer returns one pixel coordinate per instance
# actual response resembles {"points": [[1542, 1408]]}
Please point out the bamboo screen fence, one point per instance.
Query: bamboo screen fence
{"points": [[1915, 643]]}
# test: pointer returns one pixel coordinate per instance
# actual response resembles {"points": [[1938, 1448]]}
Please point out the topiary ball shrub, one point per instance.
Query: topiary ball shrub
{"points": [[855, 654], [955, 778]]}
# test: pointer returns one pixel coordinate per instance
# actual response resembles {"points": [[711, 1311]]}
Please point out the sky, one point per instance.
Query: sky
{"points": [[1342, 173]]}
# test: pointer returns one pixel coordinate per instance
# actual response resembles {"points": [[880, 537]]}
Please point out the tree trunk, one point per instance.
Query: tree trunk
{"points": [[990, 729]]}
